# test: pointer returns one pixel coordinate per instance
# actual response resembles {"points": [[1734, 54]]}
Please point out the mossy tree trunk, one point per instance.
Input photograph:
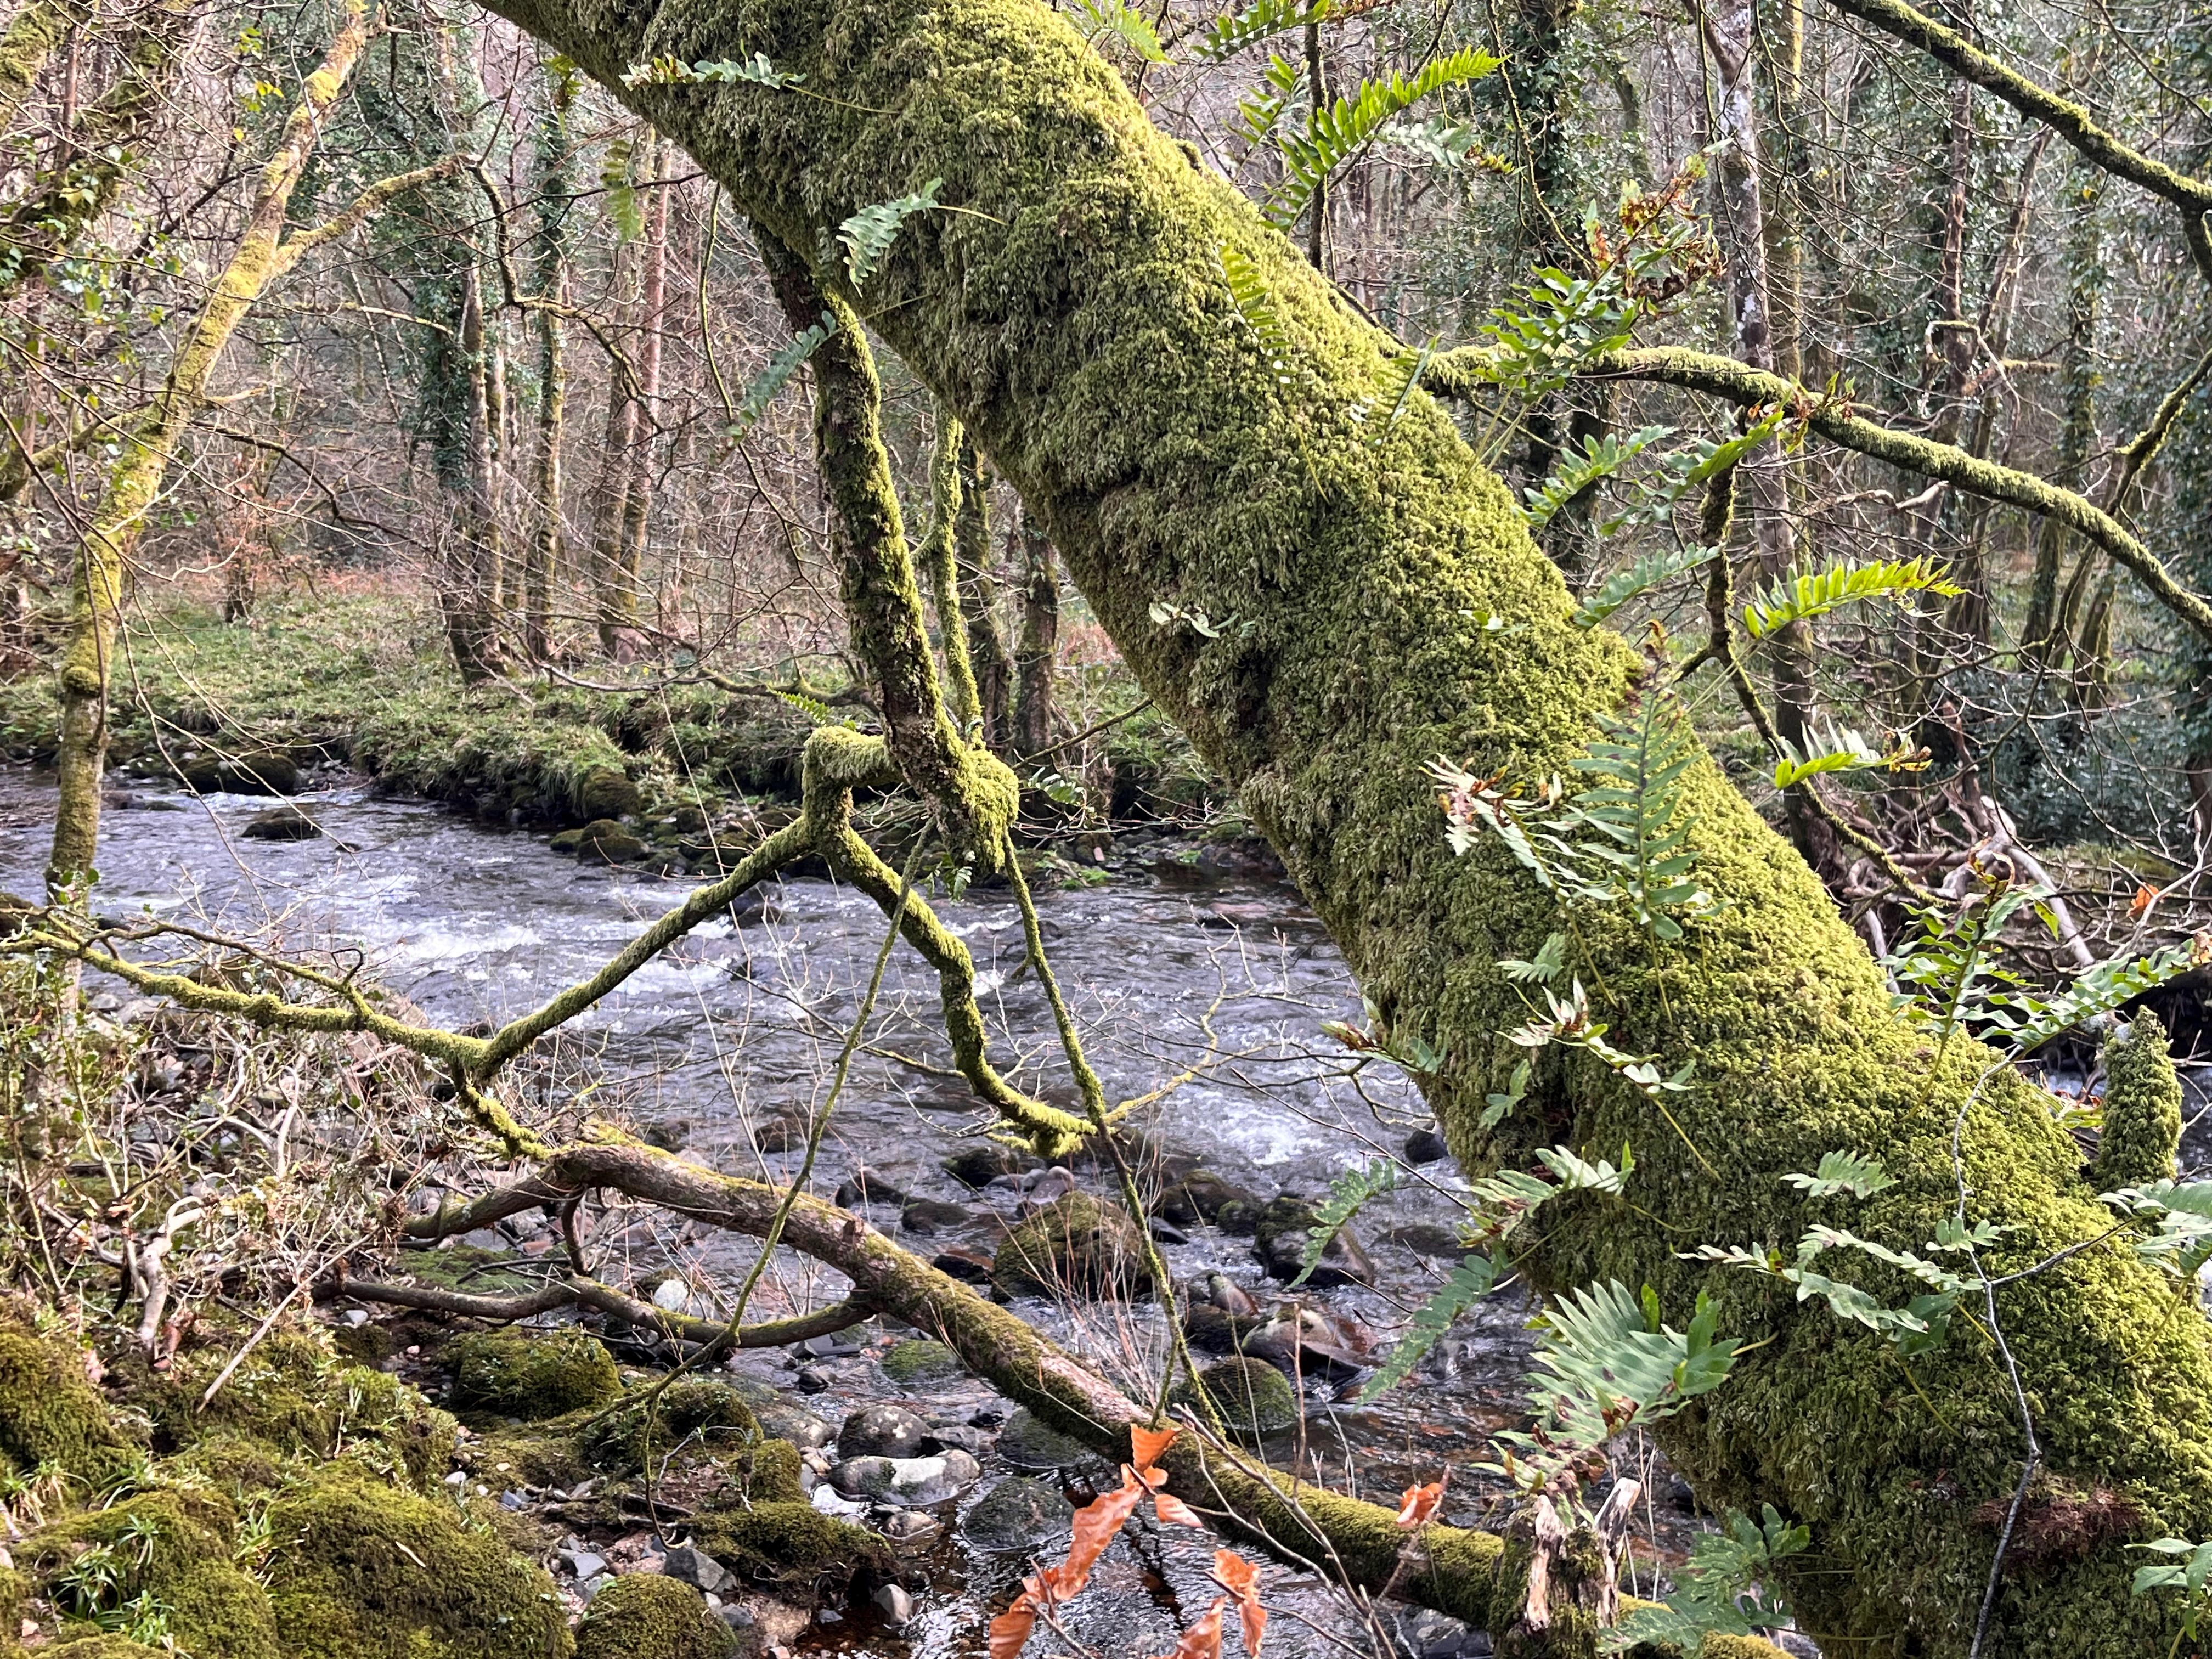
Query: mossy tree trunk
{"points": [[1075, 318], [555, 184], [1037, 658], [992, 662], [135, 478]]}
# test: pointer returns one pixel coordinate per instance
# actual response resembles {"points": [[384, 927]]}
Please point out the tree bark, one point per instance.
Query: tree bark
{"points": [[637, 480], [556, 170], [1384, 606], [1037, 658], [988, 655]]}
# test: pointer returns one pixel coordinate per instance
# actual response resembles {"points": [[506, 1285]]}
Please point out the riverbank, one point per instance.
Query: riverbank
{"points": [[260, 706]]}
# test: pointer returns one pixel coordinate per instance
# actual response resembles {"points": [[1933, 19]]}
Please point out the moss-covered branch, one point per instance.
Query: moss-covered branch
{"points": [[1723, 376], [579, 1290], [2071, 120]]}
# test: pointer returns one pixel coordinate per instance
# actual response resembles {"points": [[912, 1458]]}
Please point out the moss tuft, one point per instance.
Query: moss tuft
{"points": [[2143, 1109], [791, 1546], [362, 1570], [919, 1360], [649, 1616], [532, 1376], [295, 1395], [702, 1410], [1073, 1246], [50, 1415], [1254, 1398]]}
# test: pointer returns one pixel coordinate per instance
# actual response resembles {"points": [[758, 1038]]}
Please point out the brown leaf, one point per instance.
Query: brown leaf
{"points": [[1419, 1506], [1241, 1580], [1203, 1639]]}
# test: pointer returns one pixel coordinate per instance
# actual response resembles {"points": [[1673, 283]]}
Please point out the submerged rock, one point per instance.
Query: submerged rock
{"points": [[918, 1360], [1027, 1443], [1281, 1235], [1200, 1196], [1074, 1246], [1018, 1514], [1254, 1400], [285, 824], [978, 1166]]}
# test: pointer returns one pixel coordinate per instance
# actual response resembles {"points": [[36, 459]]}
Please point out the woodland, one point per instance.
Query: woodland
{"points": [[999, 828]]}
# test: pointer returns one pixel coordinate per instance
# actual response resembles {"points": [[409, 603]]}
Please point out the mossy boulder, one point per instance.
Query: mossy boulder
{"points": [[791, 1546], [1282, 1233], [602, 841], [295, 1395], [51, 1414], [712, 1417], [1254, 1398], [174, 1548], [363, 1570], [1074, 1246], [606, 792], [532, 1376], [2142, 1108], [260, 772], [647, 1616], [919, 1360]]}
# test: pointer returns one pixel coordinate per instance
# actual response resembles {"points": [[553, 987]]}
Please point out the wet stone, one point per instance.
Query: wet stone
{"points": [[969, 1267], [894, 1603], [285, 824], [1026, 1443], [869, 1186], [918, 1481], [1422, 1633], [1426, 1147], [978, 1166], [1280, 1239], [1018, 1514], [918, 1362], [781, 1420], [880, 1432], [1199, 1196], [930, 1215]]}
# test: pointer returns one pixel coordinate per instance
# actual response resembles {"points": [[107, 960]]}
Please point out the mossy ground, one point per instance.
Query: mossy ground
{"points": [[646, 1616], [515, 1374]]}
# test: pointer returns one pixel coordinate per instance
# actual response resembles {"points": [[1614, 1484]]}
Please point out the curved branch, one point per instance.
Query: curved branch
{"points": [[1724, 377], [592, 1293]]}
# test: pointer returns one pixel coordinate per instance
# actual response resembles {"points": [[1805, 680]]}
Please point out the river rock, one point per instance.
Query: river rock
{"points": [[1254, 1400], [1312, 1343], [1199, 1197], [1026, 1443], [1239, 1215], [866, 1186], [930, 1215], [1018, 1514], [894, 1603], [969, 1267], [881, 1431], [256, 773], [979, 1165], [1426, 1147], [606, 842], [1074, 1246], [606, 792], [918, 1362], [915, 1481], [696, 1567], [1426, 1238], [780, 1419], [1422, 1633], [285, 824], [1280, 1237]]}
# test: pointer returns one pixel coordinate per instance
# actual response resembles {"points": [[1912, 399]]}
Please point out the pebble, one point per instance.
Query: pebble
{"points": [[894, 1603], [584, 1564], [1425, 1634], [735, 1617], [1426, 1147], [911, 1526], [695, 1566]]}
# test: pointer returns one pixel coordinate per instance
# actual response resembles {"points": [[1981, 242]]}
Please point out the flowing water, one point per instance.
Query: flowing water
{"points": [[1215, 985]]}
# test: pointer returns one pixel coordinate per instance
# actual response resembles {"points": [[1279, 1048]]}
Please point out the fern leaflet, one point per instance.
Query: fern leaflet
{"points": [[1601, 458], [1249, 289], [772, 379], [1718, 1592], [1281, 85], [1334, 134], [1463, 1286], [869, 234], [675, 72], [1348, 1195], [1225, 37], [1125, 23], [1816, 594], [1652, 570], [1843, 1172]]}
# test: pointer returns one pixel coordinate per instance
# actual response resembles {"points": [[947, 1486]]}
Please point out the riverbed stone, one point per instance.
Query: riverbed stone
{"points": [[1075, 1245], [931, 1215], [916, 1481], [782, 1420], [1426, 1147], [918, 1361], [1280, 1240], [285, 824], [979, 1165], [881, 1431], [866, 1186], [258, 772], [1199, 1196], [1254, 1399], [647, 1616], [1027, 1443], [1019, 1514], [606, 792], [969, 1266], [606, 842]]}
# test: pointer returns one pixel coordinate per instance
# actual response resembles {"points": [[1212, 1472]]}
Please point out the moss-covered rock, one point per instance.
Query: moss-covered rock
{"points": [[708, 1412], [647, 1616], [918, 1360], [602, 841], [1254, 1398], [50, 1414], [1075, 1245], [607, 792], [532, 1376], [295, 1395], [172, 1546], [363, 1570], [791, 1546]]}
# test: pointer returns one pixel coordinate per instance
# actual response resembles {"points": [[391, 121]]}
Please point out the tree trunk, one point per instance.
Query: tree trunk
{"points": [[2046, 637], [1037, 657], [474, 547], [1386, 606], [652, 298], [134, 480], [979, 598], [555, 184]]}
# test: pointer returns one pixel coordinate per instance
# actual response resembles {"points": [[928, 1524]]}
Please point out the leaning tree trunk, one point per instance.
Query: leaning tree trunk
{"points": [[1036, 656], [988, 655], [1381, 604]]}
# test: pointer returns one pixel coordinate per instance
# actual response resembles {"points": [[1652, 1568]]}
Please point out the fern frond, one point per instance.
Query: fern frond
{"points": [[1348, 1195], [1722, 1590], [675, 72], [869, 234], [1636, 809], [1334, 134], [1125, 23], [1601, 458], [772, 379], [623, 208], [1816, 594], [1441, 142], [813, 707], [1262, 20], [1652, 570], [1463, 1286], [1249, 289], [1845, 751], [1404, 374], [1281, 86], [1560, 322], [1843, 1172]]}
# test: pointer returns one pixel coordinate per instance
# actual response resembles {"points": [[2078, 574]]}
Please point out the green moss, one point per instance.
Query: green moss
{"points": [[1254, 1398], [1075, 1245], [649, 1616], [50, 1415], [791, 1546], [362, 1570], [2143, 1109], [293, 1395], [532, 1376], [917, 1360], [710, 1413], [173, 1547]]}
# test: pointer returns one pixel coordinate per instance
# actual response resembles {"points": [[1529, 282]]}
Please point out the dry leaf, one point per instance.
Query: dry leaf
{"points": [[1203, 1639], [1241, 1580], [2146, 896], [1419, 1507], [1010, 1631], [1174, 1512], [1151, 1444]]}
